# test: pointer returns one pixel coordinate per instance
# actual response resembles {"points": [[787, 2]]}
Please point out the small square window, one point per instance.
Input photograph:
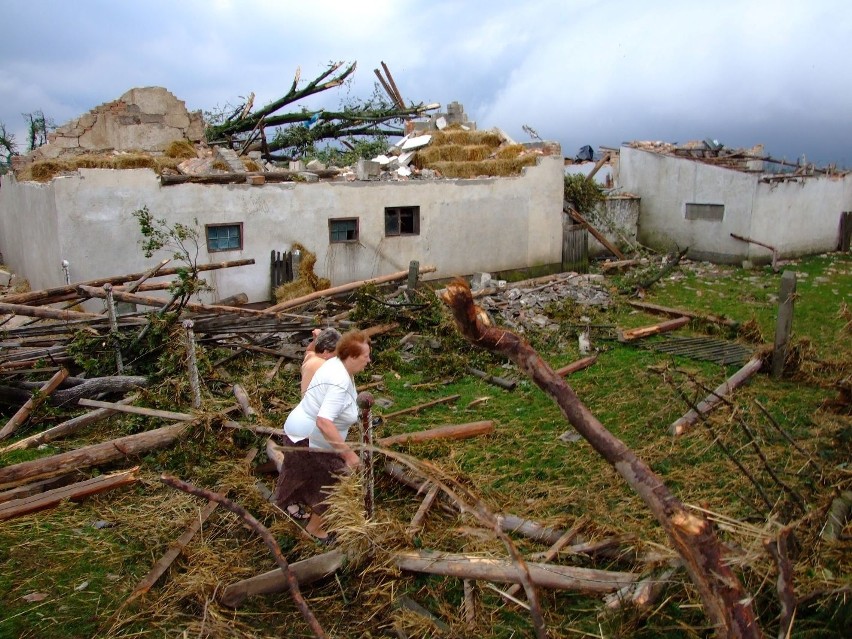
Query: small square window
{"points": [[224, 237], [402, 220], [343, 230]]}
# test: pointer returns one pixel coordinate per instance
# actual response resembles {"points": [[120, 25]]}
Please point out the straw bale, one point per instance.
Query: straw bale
{"points": [[487, 168], [183, 149]]}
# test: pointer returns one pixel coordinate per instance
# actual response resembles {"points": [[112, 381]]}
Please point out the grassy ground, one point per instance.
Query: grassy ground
{"points": [[66, 572]]}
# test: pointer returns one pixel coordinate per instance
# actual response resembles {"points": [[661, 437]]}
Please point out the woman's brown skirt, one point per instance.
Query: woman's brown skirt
{"points": [[306, 476]]}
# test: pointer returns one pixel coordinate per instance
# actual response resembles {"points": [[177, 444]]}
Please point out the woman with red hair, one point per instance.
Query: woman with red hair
{"points": [[315, 432]]}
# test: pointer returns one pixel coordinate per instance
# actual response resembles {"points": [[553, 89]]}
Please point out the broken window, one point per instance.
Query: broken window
{"points": [[712, 212], [402, 220], [224, 237], [343, 230]]}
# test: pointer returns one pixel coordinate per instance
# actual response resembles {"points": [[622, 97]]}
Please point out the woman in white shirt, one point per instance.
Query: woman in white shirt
{"points": [[315, 432]]}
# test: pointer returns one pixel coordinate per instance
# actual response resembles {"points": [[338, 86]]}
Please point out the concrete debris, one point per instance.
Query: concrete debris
{"points": [[524, 308]]}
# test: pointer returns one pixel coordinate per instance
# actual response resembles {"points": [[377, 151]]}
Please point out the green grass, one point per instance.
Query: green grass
{"points": [[522, 468]]}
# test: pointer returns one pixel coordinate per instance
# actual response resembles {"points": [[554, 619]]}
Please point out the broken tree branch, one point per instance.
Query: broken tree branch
{"points": [[419, 407], [725, 601], [504, 571], [778, 548], [267, 538]]}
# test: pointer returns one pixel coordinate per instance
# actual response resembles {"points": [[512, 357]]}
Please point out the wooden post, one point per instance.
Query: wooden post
{"points": [[113, 325], [413, 272], [784, 324], [192, 363], [365, 413]]}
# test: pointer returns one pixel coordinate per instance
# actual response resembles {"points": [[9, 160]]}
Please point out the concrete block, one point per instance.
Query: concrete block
{"points": [[441, 123], [297, 165], [478, 281], [307, 176], [315, 165], [365, 169], [416, 142], [6, 278]]}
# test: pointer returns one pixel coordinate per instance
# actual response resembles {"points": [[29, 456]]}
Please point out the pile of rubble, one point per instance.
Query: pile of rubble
{"points": [[522, 306]]}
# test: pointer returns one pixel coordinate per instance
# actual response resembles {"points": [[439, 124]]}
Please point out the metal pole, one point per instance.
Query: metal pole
{"points": [[365, 413], [192, 364], [113, 324]]}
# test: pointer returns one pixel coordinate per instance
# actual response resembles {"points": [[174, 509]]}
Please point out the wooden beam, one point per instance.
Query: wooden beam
{"points": [[123, 447], [144, 300], [33, 402], [677, 312], [344, 288], [65, 428], [137, 410], [44, 296], [450, 431], [51, 498], [45, 313], [579, 365], [682, 424], [600, 237], [632, 334]]}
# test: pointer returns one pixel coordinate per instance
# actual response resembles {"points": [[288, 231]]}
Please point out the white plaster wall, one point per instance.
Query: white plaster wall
{"points": [[465, 225], [797, 218], [29, 238], [800, 218], [665, 184]]}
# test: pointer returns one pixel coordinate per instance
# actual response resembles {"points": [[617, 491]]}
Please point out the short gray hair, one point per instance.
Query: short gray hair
{"points": [[327, 340]]}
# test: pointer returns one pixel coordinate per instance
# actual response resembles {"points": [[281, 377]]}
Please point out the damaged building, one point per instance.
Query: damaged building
{"points": [[360, 223]]}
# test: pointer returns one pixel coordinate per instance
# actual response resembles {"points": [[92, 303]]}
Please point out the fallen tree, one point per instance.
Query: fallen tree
{"points": [[725, 601]]}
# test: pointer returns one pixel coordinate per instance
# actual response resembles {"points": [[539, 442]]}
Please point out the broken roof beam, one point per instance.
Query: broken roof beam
{"points": [[600, 237]]}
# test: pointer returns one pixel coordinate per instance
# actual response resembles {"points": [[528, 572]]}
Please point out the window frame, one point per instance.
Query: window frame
{"points": [[331, 230], [237, 225], [705, 211], [397, 213]]}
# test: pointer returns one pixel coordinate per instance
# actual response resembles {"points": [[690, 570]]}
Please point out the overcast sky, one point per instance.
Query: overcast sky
{"points": [[597, 72]]}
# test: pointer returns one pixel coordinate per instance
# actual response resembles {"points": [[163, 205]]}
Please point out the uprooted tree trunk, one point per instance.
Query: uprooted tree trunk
{"points": [[725, 601]]}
